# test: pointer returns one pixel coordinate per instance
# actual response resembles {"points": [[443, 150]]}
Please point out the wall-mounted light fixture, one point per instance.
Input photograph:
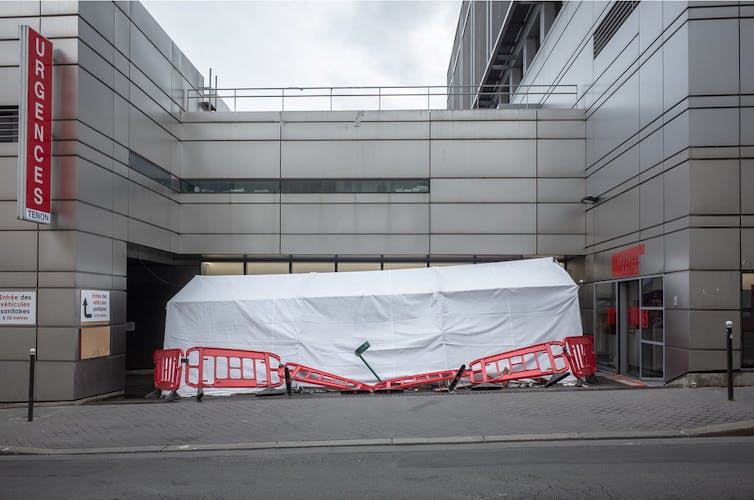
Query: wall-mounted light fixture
{"points": [[590, 200]]}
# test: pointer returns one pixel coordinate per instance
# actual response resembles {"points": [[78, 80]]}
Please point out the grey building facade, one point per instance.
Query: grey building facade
{"points": [[150, 188], [666, 92]]}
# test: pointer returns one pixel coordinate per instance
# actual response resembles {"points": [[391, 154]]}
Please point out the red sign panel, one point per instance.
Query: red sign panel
{"points": [[626, 262], [35, 127]]}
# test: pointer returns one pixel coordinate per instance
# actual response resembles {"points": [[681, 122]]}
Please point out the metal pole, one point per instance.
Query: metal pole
{"points": [[288, 388], [729, 348], [370, 368], [32, 362], [459, 374], [330, 98]]}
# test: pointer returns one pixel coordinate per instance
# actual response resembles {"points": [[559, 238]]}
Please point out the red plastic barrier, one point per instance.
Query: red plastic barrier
{"points": [[581, 355], [215, 367], [415, 380], [318, 377], [167, 369], [539, 360]]}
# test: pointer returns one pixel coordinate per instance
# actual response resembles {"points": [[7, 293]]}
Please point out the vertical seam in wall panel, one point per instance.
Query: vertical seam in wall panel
{"points": [[429, 175], [280, 194], [536, 182], [662, 129], [740, 196]]}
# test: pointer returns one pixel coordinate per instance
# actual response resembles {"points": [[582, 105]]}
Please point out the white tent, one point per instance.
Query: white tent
{"points": [[416, 320]]}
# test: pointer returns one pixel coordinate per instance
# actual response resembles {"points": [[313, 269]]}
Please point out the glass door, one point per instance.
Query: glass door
{"points": [[629, 332], [652, 329], [630, 325], [605, 326]]}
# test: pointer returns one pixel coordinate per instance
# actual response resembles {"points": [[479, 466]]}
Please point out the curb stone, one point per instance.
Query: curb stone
{"points": [[741, 428]]}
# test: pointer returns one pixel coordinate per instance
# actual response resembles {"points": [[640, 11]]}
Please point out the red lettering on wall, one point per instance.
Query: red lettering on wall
{"points": [[626, 262]]}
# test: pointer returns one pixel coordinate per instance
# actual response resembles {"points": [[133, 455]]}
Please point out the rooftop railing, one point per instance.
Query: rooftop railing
{"points": [[357, 98]]}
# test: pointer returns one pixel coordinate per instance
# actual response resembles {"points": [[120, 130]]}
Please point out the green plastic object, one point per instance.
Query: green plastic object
{"points": [[361, 350]]}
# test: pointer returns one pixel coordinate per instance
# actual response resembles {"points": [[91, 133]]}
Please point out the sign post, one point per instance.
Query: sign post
{"points": [[35, 127]]}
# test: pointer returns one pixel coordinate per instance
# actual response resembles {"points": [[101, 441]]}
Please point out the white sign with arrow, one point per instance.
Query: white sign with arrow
{"points": [[95, 306]]}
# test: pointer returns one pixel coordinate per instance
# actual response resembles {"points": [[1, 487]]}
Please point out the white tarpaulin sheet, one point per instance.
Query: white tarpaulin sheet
{"points": [[416, 320]]}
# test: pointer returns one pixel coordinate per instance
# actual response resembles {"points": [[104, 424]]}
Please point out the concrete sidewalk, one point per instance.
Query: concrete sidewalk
{"points": [[246, 422]]}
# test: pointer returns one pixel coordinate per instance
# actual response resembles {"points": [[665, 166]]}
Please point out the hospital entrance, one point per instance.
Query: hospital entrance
{"points": [[629, 332]]}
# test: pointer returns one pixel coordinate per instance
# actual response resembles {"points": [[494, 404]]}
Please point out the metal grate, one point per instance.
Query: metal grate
{"points": [[8, 123], [612, 22]]}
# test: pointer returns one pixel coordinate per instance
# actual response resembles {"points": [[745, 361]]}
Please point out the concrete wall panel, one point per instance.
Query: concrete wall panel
{"points": [[15, 342], [714, 187], [355, 219], [355, 244], [489, 190], [560, 244], [458, 129], [262, 244], [253, 159], [18, 250], [492, 158], [348, 159], [713, 56], [617, 216], [746, 62], [651, 202], [561, 158], [675, 60], [494, 244], [714, 127], [483, 218], [560, 218], [58, 344], [560, 190]]}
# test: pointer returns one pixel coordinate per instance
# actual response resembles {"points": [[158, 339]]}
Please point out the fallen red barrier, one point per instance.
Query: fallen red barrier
{"points": [[407, 381], [310, 375], [536, 361]]}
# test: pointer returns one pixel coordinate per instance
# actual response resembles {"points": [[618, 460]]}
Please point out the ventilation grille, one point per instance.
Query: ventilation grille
{"points": [[612, 22], [8, 123]]}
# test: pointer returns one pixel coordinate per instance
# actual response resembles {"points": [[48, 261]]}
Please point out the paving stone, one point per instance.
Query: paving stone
{"points": [[247, 419]]}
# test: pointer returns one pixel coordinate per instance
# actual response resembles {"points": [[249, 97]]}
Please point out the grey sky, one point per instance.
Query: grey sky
{"points": [[280, 44]]}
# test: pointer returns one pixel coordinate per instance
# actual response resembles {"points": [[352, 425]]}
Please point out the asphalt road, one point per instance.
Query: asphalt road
{"points": [[682, 468]]}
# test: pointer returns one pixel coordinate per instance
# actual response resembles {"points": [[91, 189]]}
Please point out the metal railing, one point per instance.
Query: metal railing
{"points": [[408, 97]]}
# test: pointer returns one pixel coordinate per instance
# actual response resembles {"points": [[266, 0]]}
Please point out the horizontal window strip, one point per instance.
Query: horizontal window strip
{"points": [[305, 186]]}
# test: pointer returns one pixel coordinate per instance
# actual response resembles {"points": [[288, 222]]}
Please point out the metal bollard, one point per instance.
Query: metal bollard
{"points": [[288, 388], [32, 362], [729, 349]]}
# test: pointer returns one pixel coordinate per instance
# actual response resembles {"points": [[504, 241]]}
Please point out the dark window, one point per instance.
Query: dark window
{"points": [[8, 123], [304, 186], [610, 25], [153, 171], [230, 186], [747, 320]]}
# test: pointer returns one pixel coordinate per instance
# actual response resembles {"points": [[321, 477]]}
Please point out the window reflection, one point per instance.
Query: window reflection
{"points": [[651, 292]]}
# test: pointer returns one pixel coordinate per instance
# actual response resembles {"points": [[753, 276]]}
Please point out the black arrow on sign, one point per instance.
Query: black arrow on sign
{"points": [[86, 314]]}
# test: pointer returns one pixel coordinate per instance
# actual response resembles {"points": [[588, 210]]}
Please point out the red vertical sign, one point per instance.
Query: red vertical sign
{"points": [[35, 127]]}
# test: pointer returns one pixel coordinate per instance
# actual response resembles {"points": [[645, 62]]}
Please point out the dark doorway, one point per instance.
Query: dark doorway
{"points": [[150, 286]]}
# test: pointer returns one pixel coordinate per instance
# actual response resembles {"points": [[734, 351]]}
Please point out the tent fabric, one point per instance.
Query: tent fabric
{"points": [[416, 320]]}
